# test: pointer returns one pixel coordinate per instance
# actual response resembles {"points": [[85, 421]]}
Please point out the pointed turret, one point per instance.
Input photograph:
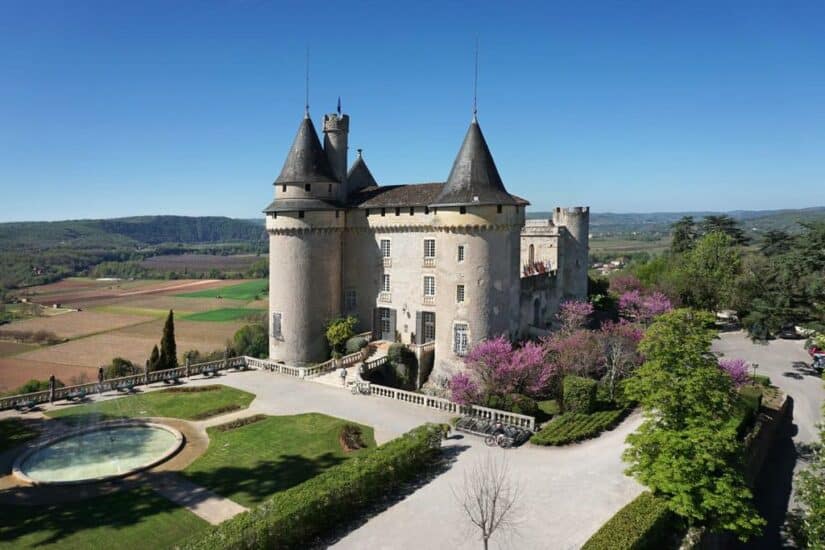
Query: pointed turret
{"points": [[306, 161], [474, 178], [359, 175]]}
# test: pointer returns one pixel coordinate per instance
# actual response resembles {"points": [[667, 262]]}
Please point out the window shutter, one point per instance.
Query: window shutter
{"points": [[392, 323], [419, 328]]}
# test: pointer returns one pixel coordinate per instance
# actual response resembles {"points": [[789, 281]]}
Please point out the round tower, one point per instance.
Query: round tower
{"points": [[573, 249], [305, 225], [336, 132]]}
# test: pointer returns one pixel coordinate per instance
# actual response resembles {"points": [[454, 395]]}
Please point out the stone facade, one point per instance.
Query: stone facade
{"points": [[443, 262]]}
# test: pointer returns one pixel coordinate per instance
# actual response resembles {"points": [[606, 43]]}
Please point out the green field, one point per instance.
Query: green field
{"points": [[225, 314], [248, 291], [171, 403], [250, 463], [137, 518]]}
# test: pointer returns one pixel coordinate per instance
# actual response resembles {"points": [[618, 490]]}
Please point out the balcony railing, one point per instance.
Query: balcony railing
{"points": [[387, 262], [429, 262], [429, 300], [385, 297]]}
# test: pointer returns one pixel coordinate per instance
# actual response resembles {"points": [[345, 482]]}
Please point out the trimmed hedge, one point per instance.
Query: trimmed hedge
{"points": [[301, 515], [579, 394], [645, 523], [356, 343], [574, 427]]}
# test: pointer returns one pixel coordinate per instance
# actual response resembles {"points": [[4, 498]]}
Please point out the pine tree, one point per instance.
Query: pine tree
{"points": [[154, 359], [168, 348]]}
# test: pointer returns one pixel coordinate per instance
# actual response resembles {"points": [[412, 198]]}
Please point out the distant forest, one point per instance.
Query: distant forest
{"points": [[41, 252]]}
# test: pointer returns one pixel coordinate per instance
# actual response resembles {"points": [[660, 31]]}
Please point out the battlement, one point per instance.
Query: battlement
{"points": [[336, 123]]}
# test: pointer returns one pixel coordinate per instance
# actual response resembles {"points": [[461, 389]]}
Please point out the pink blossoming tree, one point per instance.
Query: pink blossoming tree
{"points": [[573, 314], [620, 346], [643, 308], [737, 369]]}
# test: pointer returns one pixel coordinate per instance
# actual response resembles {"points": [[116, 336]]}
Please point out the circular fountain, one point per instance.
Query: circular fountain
{"points": [[107, 450]]}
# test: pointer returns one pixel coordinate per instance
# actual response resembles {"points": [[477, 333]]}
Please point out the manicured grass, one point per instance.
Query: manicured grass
{"points": [[138, 518], [250, 463], [176, 404], [14, 432], [225, 314], [247, 291], [573, 427]]}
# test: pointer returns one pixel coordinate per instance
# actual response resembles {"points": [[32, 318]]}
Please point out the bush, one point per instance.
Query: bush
{"points": [[572, 427], [356, 343], [33, 386], [746, 407], [339, 331], [762, 380], [645, 523], [579, 394], [351, 438], [120, 367], [251, 340], [513, 402], [299, 516]]}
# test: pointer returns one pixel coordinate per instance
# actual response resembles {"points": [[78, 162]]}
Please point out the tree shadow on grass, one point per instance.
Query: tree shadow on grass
{"points": [[253, 485]]}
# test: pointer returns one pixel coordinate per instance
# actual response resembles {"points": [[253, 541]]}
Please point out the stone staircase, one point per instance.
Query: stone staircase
{"points": [[378, 349]]}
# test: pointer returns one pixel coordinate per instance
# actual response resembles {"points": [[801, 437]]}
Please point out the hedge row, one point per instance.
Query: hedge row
{"points": [[645, 523], [301, 515], [579, 394], [573, 427]]}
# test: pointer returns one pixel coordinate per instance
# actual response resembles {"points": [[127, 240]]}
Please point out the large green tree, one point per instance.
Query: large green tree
{"points": [[168, 347], [810, 484], [687, 448], [724, 224], [709, 271], [683, 233], [251, 340]]}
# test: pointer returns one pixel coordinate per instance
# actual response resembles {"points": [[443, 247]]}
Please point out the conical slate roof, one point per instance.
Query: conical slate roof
{"points": [[306, 161], [359, 175], [474, 178]]}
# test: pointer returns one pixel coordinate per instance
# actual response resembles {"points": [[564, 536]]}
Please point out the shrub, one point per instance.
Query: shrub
{"points": [[351, 438], [356, 343], [761, 379], [229, 407], [120, 367], [339, 331], [300, 515], [579, 394], [573, 427], [645, 523], [239, 423], [521, 404]]}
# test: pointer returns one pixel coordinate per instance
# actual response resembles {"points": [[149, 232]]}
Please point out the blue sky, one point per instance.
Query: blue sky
{"points": [[126, 108]]}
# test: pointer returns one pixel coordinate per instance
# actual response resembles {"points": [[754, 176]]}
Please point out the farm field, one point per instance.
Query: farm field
{"points": [[201, 263], [124, 319], [226, 314], [627, 246], [247, 291]]}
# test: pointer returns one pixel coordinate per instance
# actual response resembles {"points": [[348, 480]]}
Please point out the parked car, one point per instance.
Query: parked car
{"points": [[789, 332]]}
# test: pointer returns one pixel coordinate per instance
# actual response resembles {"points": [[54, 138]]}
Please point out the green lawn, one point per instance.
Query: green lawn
{"points": [[248, 291], [15, 432], [137, 518], [175, 403], [224, 314], [250, 463]]}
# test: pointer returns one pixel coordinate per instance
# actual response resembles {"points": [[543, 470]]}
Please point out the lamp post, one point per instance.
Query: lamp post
{"points": [[755, 366]]}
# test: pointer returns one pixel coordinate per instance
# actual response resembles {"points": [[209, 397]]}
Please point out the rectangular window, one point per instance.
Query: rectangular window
{"points": [[385, 282], [429, 248], [459, 294], [385, 320], [385, 248], [383, 211], [412, 210], [461, 338], [350, 300], [428, 326], [300, 213], [397, 211], [329, 189], [283, 188], [426, 208], [307, 187], [461, 253], [275, 215], [429, 285], [498, 208], [462, 209], [276, 325]]}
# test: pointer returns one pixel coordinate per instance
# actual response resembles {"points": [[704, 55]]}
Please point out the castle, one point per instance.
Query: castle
{"points": [[450, 263]]}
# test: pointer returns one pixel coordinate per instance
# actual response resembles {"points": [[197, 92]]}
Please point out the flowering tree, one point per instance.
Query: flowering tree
{"points": [[737, 369], [625, 282], [620, 345], [573, 314], [643, 308], [494, 367]]}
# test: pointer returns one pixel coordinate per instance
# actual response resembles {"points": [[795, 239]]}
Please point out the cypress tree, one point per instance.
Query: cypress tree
{"points": [[168, 348], [154, 359]]}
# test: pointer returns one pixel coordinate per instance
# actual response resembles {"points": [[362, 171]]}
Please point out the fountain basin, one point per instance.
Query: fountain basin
{"points": [[104, 451]]}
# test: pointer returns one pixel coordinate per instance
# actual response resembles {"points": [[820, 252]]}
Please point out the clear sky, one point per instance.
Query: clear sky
{"points": [[118, 108]]}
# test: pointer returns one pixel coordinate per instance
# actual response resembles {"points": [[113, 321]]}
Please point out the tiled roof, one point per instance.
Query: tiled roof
{"points": [[306, 161], [415, 194]]}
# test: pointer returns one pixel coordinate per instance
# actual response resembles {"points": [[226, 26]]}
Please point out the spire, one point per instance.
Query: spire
{"points": [[306, 161], [359, 175], [474, 178], [475, 86], [306, 88]]}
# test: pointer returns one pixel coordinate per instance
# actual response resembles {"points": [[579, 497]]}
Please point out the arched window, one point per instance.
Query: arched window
{"points": [[530, 254]]}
